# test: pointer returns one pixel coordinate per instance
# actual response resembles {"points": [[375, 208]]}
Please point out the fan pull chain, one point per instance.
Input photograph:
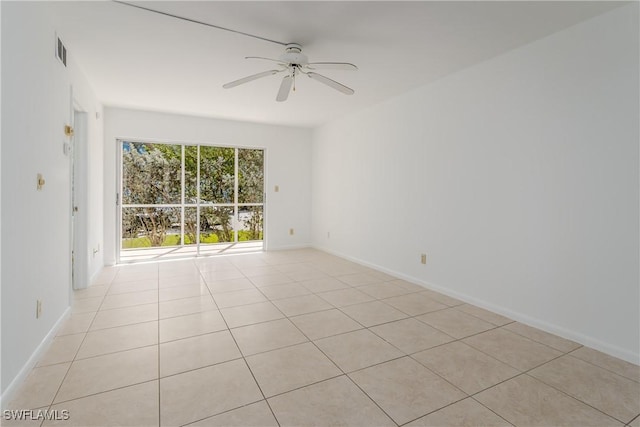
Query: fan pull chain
{"points": [[294, 78]]}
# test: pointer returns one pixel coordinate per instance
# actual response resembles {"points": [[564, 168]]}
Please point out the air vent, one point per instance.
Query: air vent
{"points": [[61, 51]]}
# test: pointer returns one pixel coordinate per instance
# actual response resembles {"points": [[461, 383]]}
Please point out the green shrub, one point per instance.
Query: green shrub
{"points": [[137, 242], [145, 242], [174, 240]]}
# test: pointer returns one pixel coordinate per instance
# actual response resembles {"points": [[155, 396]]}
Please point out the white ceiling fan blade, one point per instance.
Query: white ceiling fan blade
{"points": [[250, 78], [331, 66], [266, 59], [285, 88], [332, 83]]}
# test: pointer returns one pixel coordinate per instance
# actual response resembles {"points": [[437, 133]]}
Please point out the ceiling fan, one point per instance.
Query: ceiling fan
{"points": [[293, 62]]}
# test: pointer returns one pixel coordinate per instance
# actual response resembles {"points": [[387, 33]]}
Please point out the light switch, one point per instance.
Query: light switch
{"points": [[276, 188]]}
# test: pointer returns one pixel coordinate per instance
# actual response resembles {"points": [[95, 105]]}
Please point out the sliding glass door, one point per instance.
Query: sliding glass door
{"points": [[250, 194], [189, 199]]}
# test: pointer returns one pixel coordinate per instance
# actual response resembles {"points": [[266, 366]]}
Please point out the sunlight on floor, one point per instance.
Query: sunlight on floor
{"points": [[172, 252]]}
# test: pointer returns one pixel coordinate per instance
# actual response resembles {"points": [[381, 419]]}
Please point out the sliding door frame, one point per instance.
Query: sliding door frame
{"points": [[182, 205]]}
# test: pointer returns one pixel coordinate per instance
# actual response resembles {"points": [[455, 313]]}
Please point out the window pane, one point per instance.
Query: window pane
{"points": [[151, 173], [190, 174], [147, 227], [216, 174], [216, 224], [250, 175], [190, 225], [249, 223]]}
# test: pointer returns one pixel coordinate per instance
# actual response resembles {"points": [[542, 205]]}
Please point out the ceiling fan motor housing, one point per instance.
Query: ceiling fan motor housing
{"points": [[294, 55]]}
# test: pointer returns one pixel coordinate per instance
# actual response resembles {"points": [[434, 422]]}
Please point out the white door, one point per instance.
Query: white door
{"points": [[79, 252]]}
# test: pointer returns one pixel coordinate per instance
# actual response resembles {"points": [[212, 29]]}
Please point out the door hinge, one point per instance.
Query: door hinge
{"points": [[117, 199]]}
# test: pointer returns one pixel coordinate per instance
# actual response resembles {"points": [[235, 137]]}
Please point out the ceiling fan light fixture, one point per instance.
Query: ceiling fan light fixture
{"points": [[293, 55]]}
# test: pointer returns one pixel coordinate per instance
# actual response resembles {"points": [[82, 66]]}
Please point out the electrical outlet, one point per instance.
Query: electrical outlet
{"points": [[276, 188], [38, 309], [291, 232], [423, 258]]}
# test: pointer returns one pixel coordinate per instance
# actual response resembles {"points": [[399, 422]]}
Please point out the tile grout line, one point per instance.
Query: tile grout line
{"points": [[484, 406], [602, 367], [95, 356], [567, 393], [439, 409], [331, 360], [526, 372], [507, 363], [343, 373], [340, 309], [243, 358], [410, 355], [635, 418], [234, 359], [97, 393], [116, 327], [540, 342], [158, 350], [190, 423], [251, 371], [347, 374], [371, 399], [77, 351], [489, 355]]}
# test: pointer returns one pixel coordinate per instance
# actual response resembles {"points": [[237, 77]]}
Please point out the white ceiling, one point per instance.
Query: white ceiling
{"points": [[138, 59]]}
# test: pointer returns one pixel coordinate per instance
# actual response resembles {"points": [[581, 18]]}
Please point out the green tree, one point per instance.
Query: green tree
{"points": [[151, 175], [250, 176], [217, 174], [217, 220]]}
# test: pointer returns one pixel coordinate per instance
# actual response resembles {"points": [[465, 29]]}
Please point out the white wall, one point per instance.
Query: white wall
{"points": [[288, 163], [518, 177], [1, 388], [36, 248]]}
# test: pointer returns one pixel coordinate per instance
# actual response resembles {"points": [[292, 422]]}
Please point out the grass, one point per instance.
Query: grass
{"points": [[174, 240]]}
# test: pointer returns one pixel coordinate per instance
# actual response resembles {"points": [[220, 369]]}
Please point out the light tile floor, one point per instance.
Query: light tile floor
{"points": [[303, 338]]}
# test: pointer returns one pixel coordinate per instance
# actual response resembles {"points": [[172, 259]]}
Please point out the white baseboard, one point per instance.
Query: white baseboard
{"points": [[585, 340], [17, 381], [95, 275]]}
